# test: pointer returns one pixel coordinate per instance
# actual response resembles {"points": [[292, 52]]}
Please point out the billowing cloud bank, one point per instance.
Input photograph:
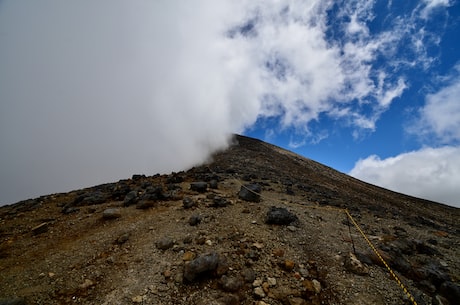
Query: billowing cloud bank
{"points": [[93, 91], [431, 173]]}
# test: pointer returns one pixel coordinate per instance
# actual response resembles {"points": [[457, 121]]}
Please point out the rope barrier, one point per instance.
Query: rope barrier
{"points": [[350, 217]]}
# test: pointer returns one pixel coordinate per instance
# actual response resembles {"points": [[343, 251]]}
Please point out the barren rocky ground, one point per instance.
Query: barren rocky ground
{"points": [[255, 225]]}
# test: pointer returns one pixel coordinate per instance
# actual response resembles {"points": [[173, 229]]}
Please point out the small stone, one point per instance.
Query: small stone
{"points": [[259, 292], [86, 284], [231, 283], [111, 213], [317, 286], [208, 242], [194, 220], [354, 265], [248, 275], [265, 287], [258, 245], [167, 273], [289, 265], [297, 301], [165, 243], [271, 281], [51, 274], [188, 256], [309, 287], [278, 252], [291, 228], [137, 299], [262, 303], [41, 228], [304, 272], [188, 203], [257, 283], [122, 238]]}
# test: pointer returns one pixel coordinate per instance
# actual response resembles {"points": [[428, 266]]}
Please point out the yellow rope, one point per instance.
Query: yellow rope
{"points": [[409, 295]]}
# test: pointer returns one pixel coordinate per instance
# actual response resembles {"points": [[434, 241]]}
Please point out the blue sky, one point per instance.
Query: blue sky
{"points": [[92, 92]]}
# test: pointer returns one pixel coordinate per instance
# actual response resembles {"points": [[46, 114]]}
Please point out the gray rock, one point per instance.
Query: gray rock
{"points": [[250, 192], [202, 264], [188, 203], [248, 275], [130, 198], [280, 216], [213, 184], [231, 283], [352, 264], [199, 187], [194, 220], [111, 213], [165, 243], [122, 238], [220, 202]]}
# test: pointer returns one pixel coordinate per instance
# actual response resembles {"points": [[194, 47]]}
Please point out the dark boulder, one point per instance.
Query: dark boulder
{"points": [[188, 203], [250, 192], [131, 198], [200, 187], [120, 190], [280, 216], [91, 198], [220, 202], [206, 263], [450, 291]]}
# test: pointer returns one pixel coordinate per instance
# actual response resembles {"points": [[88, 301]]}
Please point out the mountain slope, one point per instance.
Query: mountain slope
{"points": [[198, 237]]}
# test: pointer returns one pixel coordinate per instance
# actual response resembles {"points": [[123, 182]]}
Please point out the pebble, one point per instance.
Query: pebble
{"points": [[289, 265], [354, 265], [271, 281], [194, 220], [292, 228], [188, 256], [111, 213], [231, 283], [165, 243], [41, 228], [259, 292], [138, 299], [278, 252], [122, 238], [317, 286], [86, 284]]}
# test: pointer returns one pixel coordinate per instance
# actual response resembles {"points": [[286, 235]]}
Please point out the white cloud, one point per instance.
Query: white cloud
{"points": [[430, 173], [439, 118], [431, 5]]}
